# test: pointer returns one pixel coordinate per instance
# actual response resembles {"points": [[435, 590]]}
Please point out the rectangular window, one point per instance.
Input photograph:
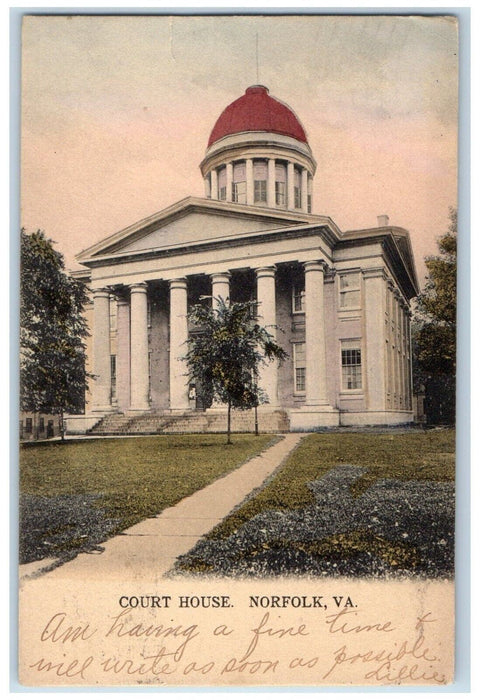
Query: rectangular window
{"points": [[351, 365], [297, 189], [299, 367], [350, 290], [309, 203], [28, 425], [41, 424], [239, 192], [280, 185], [239, 184], [298, 298], [222, 184], [259, 191], [280, 194]]}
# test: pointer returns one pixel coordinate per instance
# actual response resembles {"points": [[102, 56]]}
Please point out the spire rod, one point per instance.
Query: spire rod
{"points": [[256, 54]]}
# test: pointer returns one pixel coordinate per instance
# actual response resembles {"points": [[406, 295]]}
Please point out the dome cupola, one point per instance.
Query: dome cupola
{"points": [[258, 154]]}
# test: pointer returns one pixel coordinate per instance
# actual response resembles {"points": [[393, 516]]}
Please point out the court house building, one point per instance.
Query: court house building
{"points": [[339, 300]]}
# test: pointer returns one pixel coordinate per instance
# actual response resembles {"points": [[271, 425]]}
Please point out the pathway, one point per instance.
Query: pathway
{"points": [[150, 547]]}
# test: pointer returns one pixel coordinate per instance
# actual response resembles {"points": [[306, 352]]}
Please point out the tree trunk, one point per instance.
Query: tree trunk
{"points": [[229, 441], [62, 426]]}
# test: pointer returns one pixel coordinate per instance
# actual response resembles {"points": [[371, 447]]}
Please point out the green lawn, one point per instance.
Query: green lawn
{"points": [[130, 479], [425, 456]]}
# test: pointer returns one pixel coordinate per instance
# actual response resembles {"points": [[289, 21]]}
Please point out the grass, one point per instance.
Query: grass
{"points": [[425, 456], [133, 478]]}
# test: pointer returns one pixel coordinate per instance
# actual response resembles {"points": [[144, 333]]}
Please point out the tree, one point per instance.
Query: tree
{"points": [[225, 354], [53, 329], [435, 327]]}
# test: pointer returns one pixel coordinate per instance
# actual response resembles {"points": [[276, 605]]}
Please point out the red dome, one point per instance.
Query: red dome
{"points": [[257, 111]]}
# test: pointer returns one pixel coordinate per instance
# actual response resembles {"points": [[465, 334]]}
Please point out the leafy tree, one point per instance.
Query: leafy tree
{"points": [[52, 331], [225, 353], [434, 337]]}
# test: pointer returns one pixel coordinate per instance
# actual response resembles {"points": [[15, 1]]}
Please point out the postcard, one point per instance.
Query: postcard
{"points": [[237, 350]]}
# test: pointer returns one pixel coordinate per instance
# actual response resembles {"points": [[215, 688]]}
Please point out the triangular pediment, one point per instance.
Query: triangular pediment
{"points": [[193, 221]]}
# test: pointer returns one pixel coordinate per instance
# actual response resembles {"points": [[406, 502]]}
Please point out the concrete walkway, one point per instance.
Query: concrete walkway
{"points": [[151, 547]]}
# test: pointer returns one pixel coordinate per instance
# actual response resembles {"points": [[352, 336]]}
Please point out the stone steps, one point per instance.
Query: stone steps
{"points": [[191, 422]]}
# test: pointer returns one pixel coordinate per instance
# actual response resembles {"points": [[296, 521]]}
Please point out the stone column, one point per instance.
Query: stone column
{"points": [[220, 287], [304, 193], [271, 183], [229, 181], [249, 179], [316, 379], [208, 190], [178, 345], [123, 354], [290, 186], [139, 380], [374, 364], [101, 386], [268, 379], [213, 184]]}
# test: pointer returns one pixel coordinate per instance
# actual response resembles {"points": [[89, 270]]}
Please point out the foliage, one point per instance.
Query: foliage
{"points": [[226, 351], [434, 328], [436, 307], [52, 330]]}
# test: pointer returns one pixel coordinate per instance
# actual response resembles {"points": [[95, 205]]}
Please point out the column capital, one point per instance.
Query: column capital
{"points": [[373, 272], [178, 283], [140, 287], [220, 276], [315, 266], [101, 292], [267, 271]]}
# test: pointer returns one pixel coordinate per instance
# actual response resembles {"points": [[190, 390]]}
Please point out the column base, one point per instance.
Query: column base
{"points": [[311, 417], [139, 409], [97, 410]]}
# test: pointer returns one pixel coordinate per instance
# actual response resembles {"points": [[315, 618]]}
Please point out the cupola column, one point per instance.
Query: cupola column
{"points": [[249, 178], [139, 379], [101, 386], [178, 345], [229, 174], [213, 184], [304, 194], [271, 183], [290, 186], [268, 380]]}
